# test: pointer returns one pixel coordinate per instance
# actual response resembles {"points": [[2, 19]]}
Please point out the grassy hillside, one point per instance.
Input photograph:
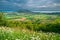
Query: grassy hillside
{"points": [[29, 26]]}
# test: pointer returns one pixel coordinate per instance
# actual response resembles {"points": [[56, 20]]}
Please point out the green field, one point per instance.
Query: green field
{"points": [[29, 26]]}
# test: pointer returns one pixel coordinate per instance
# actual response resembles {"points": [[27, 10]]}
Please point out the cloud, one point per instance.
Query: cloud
{"points": [[56, 1], [3, 1], [42, 4], [32, 4]]}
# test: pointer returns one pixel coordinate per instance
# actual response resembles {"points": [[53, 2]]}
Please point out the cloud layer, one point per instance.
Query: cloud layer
{"points": [[34, 5]]}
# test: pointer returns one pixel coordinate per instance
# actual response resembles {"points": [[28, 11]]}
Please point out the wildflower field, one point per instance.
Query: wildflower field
{"points": [[7, 33]]}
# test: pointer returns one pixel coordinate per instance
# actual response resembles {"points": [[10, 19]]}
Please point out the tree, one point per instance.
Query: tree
{"points": [[2, 20]]}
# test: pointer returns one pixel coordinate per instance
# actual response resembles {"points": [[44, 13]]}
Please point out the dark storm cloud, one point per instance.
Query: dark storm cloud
{"points": [[30, 4]]}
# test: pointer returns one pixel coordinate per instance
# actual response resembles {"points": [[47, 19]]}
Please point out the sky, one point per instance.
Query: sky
{"points": [[33, 5]]}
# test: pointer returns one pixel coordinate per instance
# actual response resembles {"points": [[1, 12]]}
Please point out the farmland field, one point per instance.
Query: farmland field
{"points": [[29, 26]]}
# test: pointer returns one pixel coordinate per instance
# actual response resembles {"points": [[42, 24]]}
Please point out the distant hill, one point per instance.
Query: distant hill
{"points": [[24, 11]]}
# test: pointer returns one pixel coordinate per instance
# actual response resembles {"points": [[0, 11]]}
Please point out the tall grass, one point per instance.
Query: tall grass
{"points": [[12, 34]]}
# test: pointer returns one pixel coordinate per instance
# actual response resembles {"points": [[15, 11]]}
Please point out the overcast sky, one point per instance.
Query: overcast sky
{"points": [[34, 5]]}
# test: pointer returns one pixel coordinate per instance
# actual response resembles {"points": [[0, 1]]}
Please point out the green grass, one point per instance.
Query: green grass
{"points": [[36, 22], [30, 27], [7, 33], [48, 23]]}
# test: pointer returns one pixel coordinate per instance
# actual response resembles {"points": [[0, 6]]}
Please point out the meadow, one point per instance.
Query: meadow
{"points": [[29, 26]]}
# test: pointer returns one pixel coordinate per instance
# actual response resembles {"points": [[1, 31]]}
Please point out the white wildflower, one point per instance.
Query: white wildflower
{"points": [[6, 39], [17, 39]]}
